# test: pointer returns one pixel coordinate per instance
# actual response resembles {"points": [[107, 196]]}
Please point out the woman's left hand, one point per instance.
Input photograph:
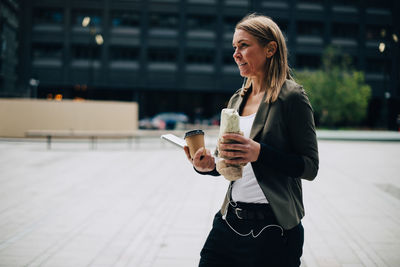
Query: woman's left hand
{"points": [[246, 151]]}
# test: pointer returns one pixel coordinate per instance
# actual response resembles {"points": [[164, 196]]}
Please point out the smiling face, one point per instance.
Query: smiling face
{"points": [[249, 55]]}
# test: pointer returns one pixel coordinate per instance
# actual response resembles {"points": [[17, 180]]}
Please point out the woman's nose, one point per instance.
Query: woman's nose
{"points": [[236, 54]]}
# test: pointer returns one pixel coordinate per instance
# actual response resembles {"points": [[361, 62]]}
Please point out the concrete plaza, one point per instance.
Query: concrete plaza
{"points": [[145, 206]]}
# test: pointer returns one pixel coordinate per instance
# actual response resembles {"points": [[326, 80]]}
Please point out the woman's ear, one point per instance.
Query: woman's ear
{"points": [[271, 49]]}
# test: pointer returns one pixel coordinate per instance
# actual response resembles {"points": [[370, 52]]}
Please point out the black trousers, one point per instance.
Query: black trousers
{"points": [[272, 246]]}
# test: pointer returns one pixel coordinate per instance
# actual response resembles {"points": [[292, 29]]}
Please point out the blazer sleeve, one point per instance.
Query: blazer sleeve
{"points": [[301, 129], [212, 173]]}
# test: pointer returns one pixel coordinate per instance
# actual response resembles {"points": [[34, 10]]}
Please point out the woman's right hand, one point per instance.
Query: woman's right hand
{"points": [[203, 162]]}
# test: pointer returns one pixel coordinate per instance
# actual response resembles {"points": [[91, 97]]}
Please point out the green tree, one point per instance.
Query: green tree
{"points": [[338, 93]]}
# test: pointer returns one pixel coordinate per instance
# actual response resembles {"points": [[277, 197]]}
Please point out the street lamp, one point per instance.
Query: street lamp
{"points": [[98, 38], [34, 83], [395, 38], [382, 47], [388, 44], [85, 21]]}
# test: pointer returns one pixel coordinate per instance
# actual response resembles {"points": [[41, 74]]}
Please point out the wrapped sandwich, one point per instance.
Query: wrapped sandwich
{"points": [[229, 124]]}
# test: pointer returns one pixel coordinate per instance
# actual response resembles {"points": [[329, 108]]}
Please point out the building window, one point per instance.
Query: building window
{"points": [[310, 28], [379, 3], [202, 2], [87, 52], [354, 3], [201, 22], [3, 42], [124, 53], [230, 23], [165, 1], [311, 1], [308, 61], [162, 55], [228, 57], [53, 16], [79, 14], [236, 3], [345, 6], [125, 18], [46, 51], [345, 30], [164, 20], [311, 5], [353, 61], [376, 32], [378, 65], [281, 4], [282, 23], [202, 57]]}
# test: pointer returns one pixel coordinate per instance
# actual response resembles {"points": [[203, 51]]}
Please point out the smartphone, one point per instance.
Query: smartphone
{"points": [[173, 139]]}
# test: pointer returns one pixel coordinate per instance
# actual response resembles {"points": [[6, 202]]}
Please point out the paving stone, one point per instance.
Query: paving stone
{"points": [[146, 207]]}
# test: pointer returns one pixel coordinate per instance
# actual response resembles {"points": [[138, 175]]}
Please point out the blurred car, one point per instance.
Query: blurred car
{"points": [[169, 120], [164, 121], [145, 123], [215, 120]]}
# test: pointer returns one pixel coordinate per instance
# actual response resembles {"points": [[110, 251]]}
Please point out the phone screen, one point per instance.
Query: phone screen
{"points": [[173, 139]]}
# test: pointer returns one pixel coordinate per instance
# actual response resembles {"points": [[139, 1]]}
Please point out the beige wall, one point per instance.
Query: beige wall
{"points": [[20, 115]]}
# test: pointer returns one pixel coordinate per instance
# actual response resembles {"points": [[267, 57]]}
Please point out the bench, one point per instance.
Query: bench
{"points": [[93, 136]]}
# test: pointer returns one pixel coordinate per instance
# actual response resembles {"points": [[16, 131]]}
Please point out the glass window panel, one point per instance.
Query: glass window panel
{"points": [[48, 16], [228, 57], [346, 2], [202, 2], [203, 56], [230, 23], [379, 3], [312, 28], [46, 50], [311, 1], [345, 30], [79, 14], [236, 2], [308, 61], [164, 20], [125, 18], [124, 53], [165, 1], [378, 65], [377, 32], [160, 54], [201, 22], [85, 51], [282, 23]]}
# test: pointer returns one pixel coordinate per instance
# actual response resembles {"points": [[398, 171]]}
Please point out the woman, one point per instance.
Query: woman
{"points": [[260, 220]]}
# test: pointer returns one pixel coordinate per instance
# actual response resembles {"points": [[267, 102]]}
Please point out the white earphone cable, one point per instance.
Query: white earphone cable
{"points": [[234, 204]]}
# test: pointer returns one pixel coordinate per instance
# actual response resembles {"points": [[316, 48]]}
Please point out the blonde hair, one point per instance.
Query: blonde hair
{"points": [[265, 30]]}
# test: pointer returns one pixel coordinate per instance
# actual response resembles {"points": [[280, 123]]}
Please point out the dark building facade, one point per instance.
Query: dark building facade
{"points": [[176, 55], [9, 26]]}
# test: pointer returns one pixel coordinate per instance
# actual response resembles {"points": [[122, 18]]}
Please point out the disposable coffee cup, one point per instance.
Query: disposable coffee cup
{"points": [[195, 141]]}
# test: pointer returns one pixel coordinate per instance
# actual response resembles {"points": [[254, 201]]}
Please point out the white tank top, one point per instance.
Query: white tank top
{"points": [[247, 189]]}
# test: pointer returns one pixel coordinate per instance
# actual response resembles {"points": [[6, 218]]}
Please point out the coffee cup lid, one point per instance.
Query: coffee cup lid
{"points": [[193, 132]]}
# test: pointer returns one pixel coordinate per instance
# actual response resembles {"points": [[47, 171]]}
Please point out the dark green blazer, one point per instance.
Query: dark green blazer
{"points": [[287, 125]]}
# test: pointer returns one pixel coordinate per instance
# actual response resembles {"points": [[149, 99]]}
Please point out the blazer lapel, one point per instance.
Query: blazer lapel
{"points": [[261, 117]]}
